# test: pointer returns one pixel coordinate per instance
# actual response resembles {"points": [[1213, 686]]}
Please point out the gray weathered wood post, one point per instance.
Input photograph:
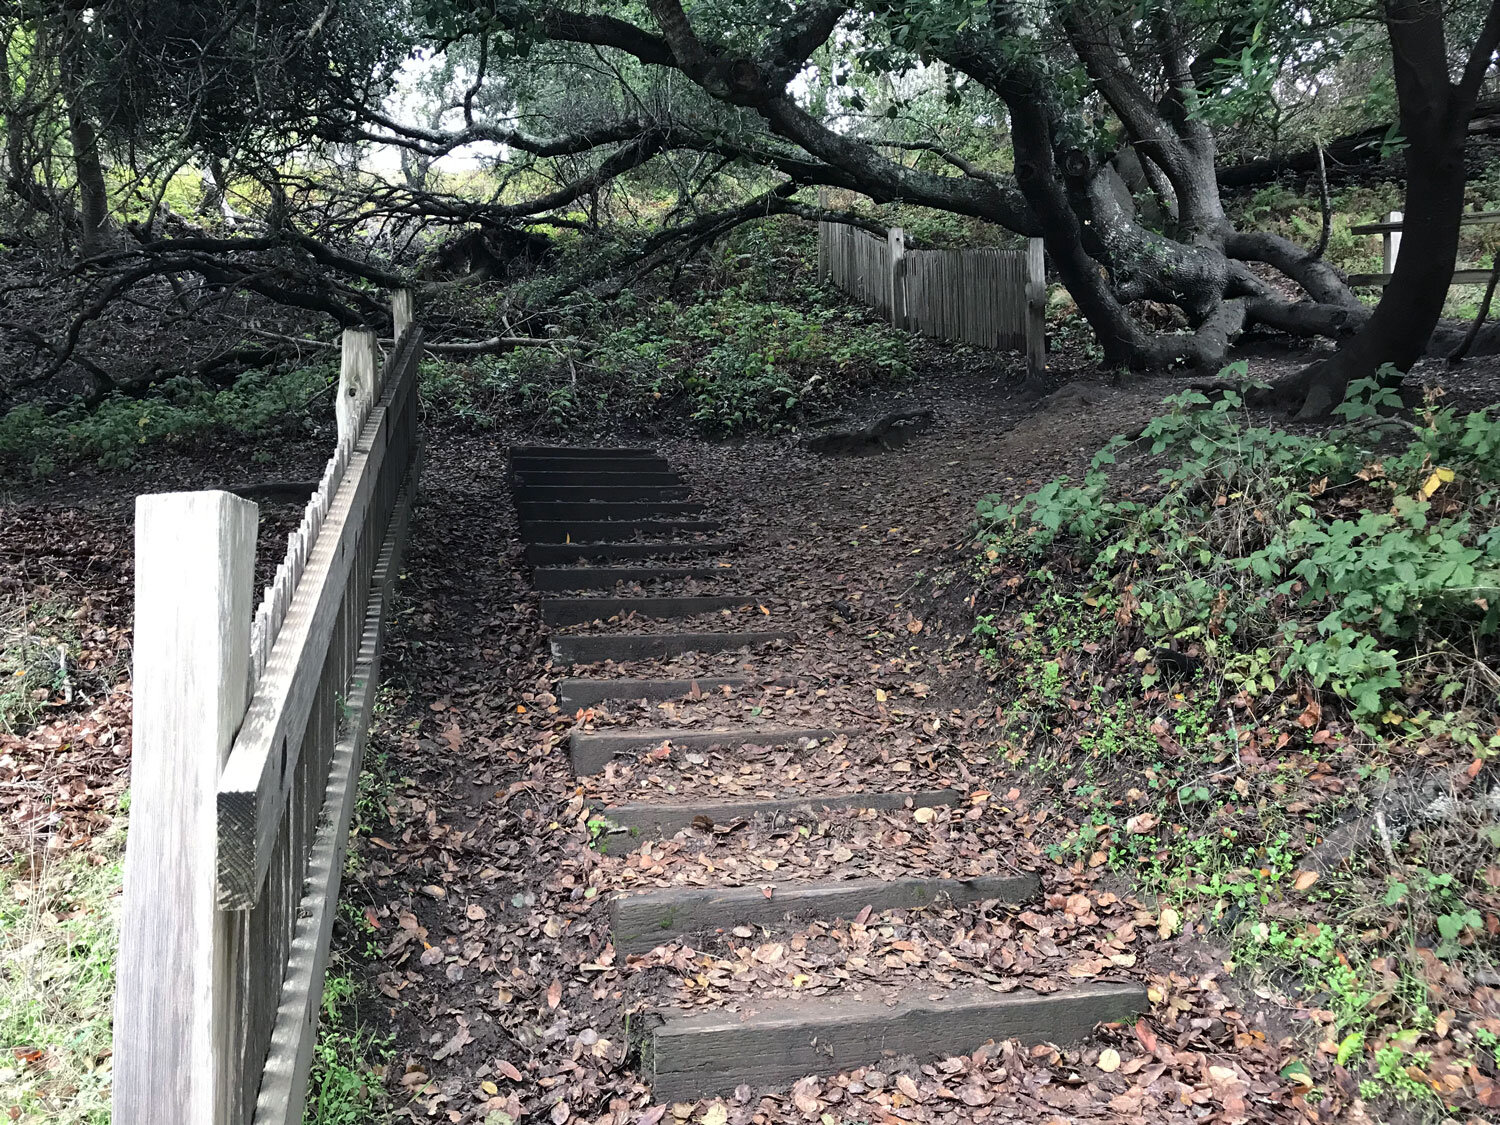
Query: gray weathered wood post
{"points": [[895, 239], [825, 251], [357, 374], [401, 314], [1036, 309], [1390, 244], [194, 570]]}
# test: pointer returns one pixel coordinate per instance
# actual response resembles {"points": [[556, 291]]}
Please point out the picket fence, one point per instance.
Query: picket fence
{"points": [[984, 296], [249, 727]]}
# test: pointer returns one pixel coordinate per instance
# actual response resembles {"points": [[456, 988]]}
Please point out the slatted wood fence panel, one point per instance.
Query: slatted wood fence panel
{"points": [[236, 847], [984, 296]]}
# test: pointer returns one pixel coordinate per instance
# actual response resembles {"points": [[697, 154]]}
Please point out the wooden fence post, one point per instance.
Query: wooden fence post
{"points": [[194, 571], [1391, 244], [896, 252], [825, 248], [1036, 309], [401, 314], [357, 374]]}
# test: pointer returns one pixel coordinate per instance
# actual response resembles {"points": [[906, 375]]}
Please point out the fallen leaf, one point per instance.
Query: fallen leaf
{"points": [[554, 994], [1109, 1060], [1304, 879]]}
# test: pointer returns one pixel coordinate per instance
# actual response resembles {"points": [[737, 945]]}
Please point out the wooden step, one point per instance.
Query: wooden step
{"points": [[573, 611], [610, 531], [608, 577], [589, 751], [581, 451], [777, 1043], [525, 466], [574, 693], [612, 493], [651, 646], [604, 510], [591, 477], [546, 554], [652, 818], [641, 922]]}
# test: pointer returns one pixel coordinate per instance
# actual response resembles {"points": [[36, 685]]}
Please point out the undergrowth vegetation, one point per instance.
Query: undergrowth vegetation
{"points": [[1259, 666], [179, 412], [754, 344]]}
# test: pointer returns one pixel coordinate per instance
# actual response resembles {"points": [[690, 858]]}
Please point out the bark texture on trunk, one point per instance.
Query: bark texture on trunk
{"points": [[1434, 115]]}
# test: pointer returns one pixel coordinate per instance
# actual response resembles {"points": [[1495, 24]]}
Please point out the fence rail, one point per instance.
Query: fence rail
{"points": [[1390, 243], [989, 297], [249, 728]]}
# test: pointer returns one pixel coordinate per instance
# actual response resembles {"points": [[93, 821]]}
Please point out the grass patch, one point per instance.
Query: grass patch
{"points": [[347, 1085], [57, 952], [38, 649]]}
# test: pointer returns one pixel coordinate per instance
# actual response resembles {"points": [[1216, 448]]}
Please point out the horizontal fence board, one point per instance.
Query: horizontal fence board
{"points": [[283, 1090], [259, 775]]}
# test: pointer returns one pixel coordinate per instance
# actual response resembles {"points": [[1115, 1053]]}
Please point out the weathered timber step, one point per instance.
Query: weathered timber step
{"points": [[544, 554], [526, 466], [596, 477], [701, 1055], [651, 646], [589, 751], [653, 818], [572, 611], [552, 510], [608, 577], [640, 922], [610, 531], [582, 451], [590, 693], [608, 493]]}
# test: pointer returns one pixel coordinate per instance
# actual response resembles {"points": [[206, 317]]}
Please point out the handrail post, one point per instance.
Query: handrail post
{"points": [[194, 571], [358, 372], [401, 315], [1390, 242], [896, 247], [1036, 310]]}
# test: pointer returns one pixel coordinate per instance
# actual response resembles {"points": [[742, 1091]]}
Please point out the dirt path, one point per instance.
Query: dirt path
{"points": [[491, 876]]}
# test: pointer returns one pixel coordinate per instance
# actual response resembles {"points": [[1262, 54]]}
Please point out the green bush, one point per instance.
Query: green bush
{"points": [[1365, 558], [179, 411]]}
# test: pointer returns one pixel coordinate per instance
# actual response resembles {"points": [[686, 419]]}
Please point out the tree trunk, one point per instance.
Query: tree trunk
{"points": [[94, 235], [1434, 115]]}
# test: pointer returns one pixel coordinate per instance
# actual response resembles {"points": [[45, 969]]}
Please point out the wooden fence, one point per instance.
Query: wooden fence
{"points": [[1390, 245], [989, 297], [249, 728]]}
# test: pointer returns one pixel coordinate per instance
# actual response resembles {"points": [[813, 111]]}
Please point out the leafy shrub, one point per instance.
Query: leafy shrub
{"points": [[179, 411], [1366, 558]]}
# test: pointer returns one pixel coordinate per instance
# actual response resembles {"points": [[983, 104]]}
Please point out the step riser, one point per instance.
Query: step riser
{"points": [[610, 493], [581, 451], [639, 923], [575, 611], [553, 511], [637, 646], [607, 578], [552, 478], [572, 694], [699, 1056], [668, 820], [590, 751], [550, 554], [610, 531], [531, 465]]}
